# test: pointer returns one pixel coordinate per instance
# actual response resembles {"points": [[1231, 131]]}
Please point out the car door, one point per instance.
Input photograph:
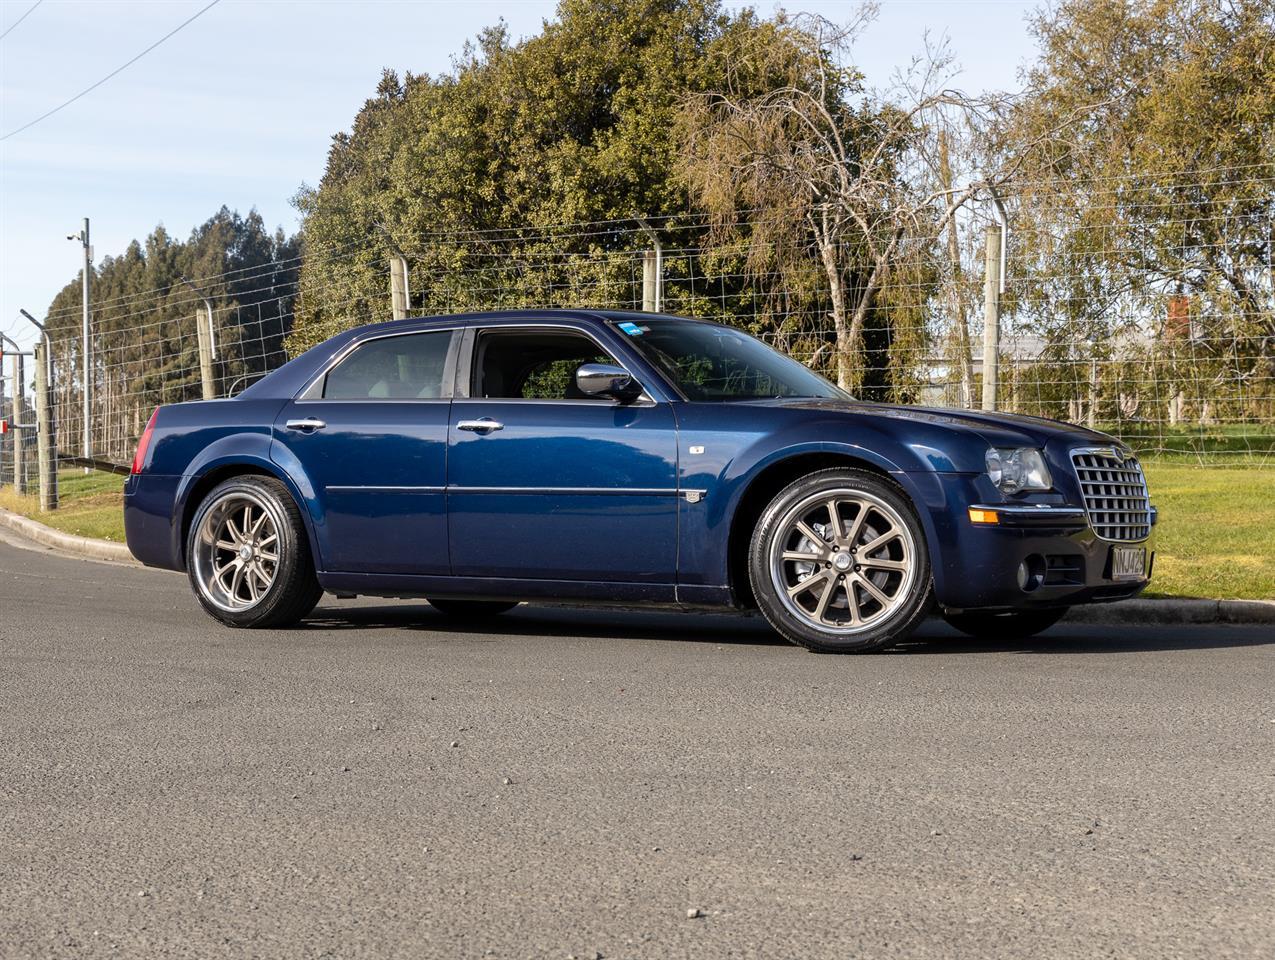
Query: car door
{"points": [[546, 483], [371, 436]]}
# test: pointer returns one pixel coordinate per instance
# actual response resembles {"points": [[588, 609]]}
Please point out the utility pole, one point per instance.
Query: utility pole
{"points": [[991, 314], [87, 347], [207, 338], [46, 442]]}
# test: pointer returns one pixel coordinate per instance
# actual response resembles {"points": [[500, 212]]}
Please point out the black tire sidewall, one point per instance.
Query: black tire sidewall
{"points": [[294, 579], [898, 625]]}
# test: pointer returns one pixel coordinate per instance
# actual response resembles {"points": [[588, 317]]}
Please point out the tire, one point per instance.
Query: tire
{"points": [[261, 587], [858, 600], [472, 609], [1005, 626]]}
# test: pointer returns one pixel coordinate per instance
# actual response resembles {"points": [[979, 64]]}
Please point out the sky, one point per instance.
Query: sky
{"points": [[238, 108]]}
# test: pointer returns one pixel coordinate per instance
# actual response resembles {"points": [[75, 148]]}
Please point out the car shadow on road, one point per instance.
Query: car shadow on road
{"points": [[1092, 638], [602, 623], [616, 623]]}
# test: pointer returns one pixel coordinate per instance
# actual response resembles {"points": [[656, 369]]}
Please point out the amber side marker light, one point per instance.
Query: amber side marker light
{"points": [[983, 516]]}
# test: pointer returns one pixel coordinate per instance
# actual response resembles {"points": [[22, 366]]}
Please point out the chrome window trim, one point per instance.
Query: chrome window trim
{"points": [[316, 383]]}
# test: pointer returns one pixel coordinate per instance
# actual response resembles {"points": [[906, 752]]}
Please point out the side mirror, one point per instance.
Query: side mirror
{"points": [[605, 380]]}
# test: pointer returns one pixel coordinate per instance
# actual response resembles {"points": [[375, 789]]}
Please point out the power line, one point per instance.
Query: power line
{"points": [[30, 11], [117, 70]]}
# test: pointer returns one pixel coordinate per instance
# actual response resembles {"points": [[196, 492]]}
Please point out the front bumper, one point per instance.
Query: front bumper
{"points": [[980, 565]]}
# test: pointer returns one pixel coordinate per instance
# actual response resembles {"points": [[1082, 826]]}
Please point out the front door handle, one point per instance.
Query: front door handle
{"points": [[308, 424], [485, 425]]}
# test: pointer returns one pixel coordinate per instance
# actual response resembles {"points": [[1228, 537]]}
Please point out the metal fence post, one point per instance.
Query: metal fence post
{"points": [[46, 444], [4, 406], [46, 438], [19, 437]]}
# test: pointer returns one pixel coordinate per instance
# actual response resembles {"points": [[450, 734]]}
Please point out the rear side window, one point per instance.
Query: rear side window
{"points": [[532, 364], [409, 367]]}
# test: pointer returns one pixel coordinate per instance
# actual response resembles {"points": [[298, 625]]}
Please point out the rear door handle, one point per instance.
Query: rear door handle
{"points": [[308, 424], [485, 425]]}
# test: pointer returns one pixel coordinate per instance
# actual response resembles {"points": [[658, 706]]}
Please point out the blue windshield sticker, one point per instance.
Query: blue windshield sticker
{"points": [[632, 329]]}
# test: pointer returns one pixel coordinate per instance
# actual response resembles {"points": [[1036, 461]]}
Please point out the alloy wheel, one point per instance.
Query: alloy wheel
{"points": [[237, 552], [843, 561]]}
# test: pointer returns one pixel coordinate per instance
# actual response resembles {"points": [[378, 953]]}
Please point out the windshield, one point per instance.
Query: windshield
{"points": [[710, 362]]}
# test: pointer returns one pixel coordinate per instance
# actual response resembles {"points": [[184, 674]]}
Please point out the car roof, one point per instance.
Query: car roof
{"points": [[287, 379], [511, 316]]}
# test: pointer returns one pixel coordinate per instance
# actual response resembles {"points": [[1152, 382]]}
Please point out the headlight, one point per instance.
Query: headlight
{"points": [[1014, 469]]}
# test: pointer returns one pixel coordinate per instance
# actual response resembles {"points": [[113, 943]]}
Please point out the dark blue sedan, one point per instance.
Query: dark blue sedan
{"points": [[609, 457]]}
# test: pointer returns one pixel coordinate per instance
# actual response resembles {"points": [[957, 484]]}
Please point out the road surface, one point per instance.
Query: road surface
{"points": [[384, 783]]}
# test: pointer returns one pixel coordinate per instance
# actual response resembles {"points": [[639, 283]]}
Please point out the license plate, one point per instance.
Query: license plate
{"points": [[1128, 563]]}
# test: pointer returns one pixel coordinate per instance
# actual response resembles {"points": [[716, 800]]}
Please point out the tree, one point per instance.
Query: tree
{"points": [[472, 174], [1166, 190], [144, 322], [816, 165]]}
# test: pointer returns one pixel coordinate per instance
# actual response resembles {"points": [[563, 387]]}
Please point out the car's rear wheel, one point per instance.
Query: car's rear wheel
{"points": [[1013, 625], [247, 555], [839, 564], [472, 609]]}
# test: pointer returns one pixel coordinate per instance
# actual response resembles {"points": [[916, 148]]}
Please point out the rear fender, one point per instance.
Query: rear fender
{"points": [[251, 451]]}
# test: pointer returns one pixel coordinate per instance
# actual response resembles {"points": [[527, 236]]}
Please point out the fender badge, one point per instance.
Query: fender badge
{"points": [[696, 451], [693, 496]]}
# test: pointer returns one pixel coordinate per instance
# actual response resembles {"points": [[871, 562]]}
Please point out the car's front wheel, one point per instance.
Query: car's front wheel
{"points": [[247, 555], [838, 563], [1014, 625]]}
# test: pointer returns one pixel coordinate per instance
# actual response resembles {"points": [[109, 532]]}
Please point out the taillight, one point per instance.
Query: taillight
{"points": [[139, 458]]}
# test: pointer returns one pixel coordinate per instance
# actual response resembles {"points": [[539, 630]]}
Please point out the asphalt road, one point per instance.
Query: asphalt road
{"points": [[384, 783]]}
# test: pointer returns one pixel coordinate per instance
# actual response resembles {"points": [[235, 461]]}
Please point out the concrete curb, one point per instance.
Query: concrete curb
{"points": [[85, 547], [1174, 611], [1166, 611]]}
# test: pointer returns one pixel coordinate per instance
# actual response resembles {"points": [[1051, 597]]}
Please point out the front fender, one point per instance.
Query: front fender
{"points": [[724, 459], [919, 481]]}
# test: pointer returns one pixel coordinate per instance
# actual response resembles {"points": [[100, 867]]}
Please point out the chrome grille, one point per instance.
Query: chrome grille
{"points": [[1115, 493]]}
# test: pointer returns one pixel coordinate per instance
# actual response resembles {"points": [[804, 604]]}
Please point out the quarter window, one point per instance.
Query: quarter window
{"points": [[532, 364], [408, 367]]}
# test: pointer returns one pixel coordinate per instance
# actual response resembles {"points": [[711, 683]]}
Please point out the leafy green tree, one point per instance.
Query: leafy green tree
{"points": [[1166, 189], [146, 349]]}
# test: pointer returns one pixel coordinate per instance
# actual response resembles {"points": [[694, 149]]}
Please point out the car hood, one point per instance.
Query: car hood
{"points": [[995, 429]]}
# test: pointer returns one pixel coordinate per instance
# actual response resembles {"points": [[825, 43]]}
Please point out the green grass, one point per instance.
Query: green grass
{"points": [[1216, 536], [1227, 444], [89, 505]]}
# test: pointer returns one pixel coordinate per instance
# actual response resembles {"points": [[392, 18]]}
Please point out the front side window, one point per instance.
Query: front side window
{"points": [[711, 362], [532, 364], [408, 367]]}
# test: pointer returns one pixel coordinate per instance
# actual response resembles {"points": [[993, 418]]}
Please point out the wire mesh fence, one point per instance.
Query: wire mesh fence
{"points": [[1176, 358]]}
